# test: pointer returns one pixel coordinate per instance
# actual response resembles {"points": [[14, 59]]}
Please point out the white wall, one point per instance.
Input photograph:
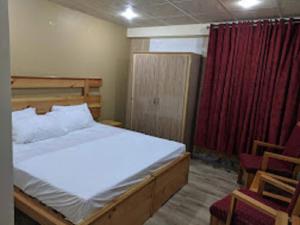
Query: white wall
{"points": [[196, 45], [49, 39], [6, 177]]}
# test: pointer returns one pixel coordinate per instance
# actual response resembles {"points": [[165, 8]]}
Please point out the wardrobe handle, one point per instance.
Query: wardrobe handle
{"points": [[156, 101]]}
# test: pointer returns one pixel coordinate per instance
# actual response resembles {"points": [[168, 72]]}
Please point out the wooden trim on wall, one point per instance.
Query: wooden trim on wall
{"points": [[189, 30]]}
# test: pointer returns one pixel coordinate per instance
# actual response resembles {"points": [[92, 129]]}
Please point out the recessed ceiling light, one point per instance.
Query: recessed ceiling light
{"points": [[248, 3], [129, 14]]}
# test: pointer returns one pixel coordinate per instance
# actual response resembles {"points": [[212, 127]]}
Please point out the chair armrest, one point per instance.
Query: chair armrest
{"points": [[254, 203], [281, 178], [258, 143], [239, 196], [282, 218], [268, 155], [280, 182], [276, 183]]}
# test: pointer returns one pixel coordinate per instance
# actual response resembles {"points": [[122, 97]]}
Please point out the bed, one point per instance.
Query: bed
{"points": [[74, 179]]}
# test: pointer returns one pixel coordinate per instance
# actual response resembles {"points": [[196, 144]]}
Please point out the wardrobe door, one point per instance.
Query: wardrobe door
{"points": [[172, 72], [144, 90]]}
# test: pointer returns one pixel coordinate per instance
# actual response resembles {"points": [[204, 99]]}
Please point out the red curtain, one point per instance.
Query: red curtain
{"points": [[251, 85]]}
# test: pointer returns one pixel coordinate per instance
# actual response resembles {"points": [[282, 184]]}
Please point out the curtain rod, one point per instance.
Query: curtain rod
{"points": [[295, 20]]}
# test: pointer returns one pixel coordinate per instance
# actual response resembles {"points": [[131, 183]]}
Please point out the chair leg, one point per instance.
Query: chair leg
{"points": [[250, 178], [214, 221], [240, 176]]}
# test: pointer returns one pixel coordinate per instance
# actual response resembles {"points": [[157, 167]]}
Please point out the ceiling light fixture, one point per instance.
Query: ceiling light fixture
{"points": [[129, 14], [248, 3]]}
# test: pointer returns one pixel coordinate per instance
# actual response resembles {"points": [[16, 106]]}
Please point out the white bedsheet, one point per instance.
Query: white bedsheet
{"points": [[82, 171]]}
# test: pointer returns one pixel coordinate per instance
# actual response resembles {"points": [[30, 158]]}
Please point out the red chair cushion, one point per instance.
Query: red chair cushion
{"points": [[292, 146], [244, 214], [252, 163]]}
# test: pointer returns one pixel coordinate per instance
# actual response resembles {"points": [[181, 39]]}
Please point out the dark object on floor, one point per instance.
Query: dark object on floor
{"points": [[216, 161]]}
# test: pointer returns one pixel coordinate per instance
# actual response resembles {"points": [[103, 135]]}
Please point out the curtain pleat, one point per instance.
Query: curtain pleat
{"points": [[251, 85]]}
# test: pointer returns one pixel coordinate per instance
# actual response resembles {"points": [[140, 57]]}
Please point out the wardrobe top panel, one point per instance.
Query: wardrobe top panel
{"points": [[165, 53]]}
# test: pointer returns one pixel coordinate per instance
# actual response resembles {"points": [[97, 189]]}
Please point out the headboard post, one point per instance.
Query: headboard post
{"points": [[86, 89]]}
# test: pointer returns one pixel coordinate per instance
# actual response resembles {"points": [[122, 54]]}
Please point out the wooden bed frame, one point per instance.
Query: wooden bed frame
{"points": [[43, 103], [138, 203]]}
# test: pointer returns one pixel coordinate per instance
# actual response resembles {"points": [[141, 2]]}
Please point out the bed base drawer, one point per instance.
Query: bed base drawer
{"points": [[170, 180]]}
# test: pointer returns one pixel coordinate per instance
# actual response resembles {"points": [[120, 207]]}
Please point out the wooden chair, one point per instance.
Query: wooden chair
{"points": [[256, 205], [282, 164]]}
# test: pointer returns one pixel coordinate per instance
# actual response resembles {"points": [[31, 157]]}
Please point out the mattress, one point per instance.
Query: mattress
{"points": [[78, 173]]}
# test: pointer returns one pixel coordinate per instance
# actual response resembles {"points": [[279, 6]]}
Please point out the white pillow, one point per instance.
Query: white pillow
{"points": [[83, 107], [72, 120], [37, 128], [79, 115], [23, 114]]}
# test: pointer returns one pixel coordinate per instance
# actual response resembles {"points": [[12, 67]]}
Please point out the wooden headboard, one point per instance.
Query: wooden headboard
{"points": [[44, 92]]}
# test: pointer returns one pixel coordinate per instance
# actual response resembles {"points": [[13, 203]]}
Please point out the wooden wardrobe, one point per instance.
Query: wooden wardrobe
{"points": [[163, 95]]}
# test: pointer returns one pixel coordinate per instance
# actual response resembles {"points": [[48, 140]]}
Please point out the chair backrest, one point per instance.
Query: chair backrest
{"points": [[292, 146], [294, 206]]}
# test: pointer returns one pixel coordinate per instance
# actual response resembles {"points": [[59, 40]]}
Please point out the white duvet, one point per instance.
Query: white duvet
{"points": [[80, 172]]}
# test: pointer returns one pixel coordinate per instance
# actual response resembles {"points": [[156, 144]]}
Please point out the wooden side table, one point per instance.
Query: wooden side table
{"points": [[112, 123]]}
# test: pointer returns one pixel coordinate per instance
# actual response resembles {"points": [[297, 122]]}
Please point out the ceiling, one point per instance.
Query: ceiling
{"points": [[178, 12]]}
